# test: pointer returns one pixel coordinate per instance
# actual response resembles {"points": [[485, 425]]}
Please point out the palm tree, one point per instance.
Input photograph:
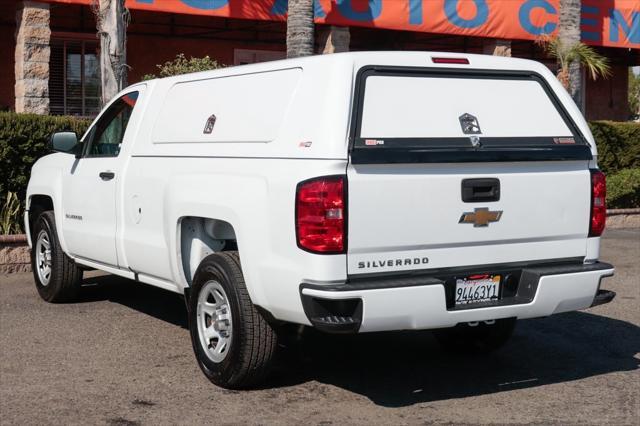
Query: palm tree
{"points": [[111, 20], [572, 54], [569, 36], [300, 28]]}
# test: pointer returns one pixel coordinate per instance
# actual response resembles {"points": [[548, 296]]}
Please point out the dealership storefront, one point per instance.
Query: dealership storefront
{"points": [[49, 48]]}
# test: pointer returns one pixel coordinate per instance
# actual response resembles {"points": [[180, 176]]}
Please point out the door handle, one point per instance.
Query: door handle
{"points": [[107, 175]]}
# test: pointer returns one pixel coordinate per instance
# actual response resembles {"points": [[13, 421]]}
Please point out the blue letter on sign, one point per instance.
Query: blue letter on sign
{"points": [[280, 7], [617, 21], [525, 17], [451, 10], [415, 12], [373, 10], [206, 4]]}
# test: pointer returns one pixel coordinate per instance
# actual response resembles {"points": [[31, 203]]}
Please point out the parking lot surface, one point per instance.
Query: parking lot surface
{"points": [[122, 356]]}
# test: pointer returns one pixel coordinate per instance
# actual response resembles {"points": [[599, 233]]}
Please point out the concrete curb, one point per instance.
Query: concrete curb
{"points": [[623, 218], [14, 254], [13, 239], [616, 212]]}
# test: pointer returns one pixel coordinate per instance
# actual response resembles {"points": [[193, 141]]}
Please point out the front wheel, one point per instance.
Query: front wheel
{"points": [[233, 343], [57, 277], [480, 337]]}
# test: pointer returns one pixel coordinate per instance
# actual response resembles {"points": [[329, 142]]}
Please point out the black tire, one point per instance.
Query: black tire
{"points": [[481, 338], [65, 276], [250, 354]]}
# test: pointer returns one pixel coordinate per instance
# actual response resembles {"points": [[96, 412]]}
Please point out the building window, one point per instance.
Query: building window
{"points": [[74, 78]]}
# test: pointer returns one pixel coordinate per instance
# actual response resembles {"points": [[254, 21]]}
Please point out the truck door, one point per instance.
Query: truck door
{"points": [[89, 202]]}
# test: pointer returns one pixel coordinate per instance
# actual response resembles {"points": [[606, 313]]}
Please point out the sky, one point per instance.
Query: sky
{"points": [[636, 70]]}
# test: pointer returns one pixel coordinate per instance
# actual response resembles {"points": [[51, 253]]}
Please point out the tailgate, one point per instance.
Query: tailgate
{"points": [[406, 217], [452, 170]]}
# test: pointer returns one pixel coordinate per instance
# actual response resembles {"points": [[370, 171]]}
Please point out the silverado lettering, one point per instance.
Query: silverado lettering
{"points": [[393, 262]]}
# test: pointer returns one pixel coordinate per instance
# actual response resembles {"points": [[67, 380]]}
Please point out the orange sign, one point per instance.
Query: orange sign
{"points": [[614, 23]]}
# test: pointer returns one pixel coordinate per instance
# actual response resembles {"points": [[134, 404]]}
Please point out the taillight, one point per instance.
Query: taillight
{"points": [[320, 215], [598, 204]]}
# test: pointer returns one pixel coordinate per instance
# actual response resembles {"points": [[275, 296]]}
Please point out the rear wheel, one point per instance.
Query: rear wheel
{"points": [[57, 277], [480, 337], [233, 343]]}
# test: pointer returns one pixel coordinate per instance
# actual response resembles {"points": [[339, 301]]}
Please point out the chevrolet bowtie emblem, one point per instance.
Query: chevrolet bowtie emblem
{"points": [[481, 217]]}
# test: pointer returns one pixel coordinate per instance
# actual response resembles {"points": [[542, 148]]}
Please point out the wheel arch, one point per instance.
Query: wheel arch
{"points": [[199, 236], [44, 192], [230, 209], [38, 203]]}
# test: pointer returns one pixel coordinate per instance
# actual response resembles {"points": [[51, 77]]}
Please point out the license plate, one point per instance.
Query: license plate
{"points": [[477, 288]]}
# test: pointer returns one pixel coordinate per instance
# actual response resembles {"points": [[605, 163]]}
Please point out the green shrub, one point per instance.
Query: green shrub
{"points": [[182, 65], [618, 145], [623, 189], [23, 139]]}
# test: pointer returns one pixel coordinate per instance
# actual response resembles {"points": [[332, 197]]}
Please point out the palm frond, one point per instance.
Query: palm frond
{"points": [[595, 63], [552, 47]]}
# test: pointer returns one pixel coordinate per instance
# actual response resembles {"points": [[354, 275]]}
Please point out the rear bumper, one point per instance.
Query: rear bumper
{"points": [[424, 302]]}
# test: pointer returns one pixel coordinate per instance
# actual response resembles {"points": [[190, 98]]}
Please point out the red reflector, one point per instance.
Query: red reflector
{"points": [[320, 215], [460, 61], [598, 203]]}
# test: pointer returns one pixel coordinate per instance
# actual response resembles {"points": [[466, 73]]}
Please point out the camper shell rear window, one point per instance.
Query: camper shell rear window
{"points": [[410, 115]]}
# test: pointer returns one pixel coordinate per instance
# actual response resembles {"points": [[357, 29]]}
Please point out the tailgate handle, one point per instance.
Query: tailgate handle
{"points": [[480, 190]]}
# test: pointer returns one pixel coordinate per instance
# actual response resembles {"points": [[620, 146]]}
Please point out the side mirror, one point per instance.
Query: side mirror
{"points": [[66, 142]]}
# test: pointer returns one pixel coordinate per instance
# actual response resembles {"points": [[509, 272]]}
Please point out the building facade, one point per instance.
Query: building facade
{"points": [[49, 49]]}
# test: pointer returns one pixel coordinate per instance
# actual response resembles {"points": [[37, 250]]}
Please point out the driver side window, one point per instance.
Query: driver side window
{"points": [[105, 138]]}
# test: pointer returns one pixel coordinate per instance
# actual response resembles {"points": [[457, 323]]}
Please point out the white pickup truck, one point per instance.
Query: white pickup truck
{"points": [[354, 192]]}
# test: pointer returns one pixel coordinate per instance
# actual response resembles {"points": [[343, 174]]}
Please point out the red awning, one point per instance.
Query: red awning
{"points": [[613, 23]]}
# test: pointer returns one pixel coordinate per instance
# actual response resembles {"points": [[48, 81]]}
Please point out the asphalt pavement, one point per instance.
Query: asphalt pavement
{"points": [[122, 356]]}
